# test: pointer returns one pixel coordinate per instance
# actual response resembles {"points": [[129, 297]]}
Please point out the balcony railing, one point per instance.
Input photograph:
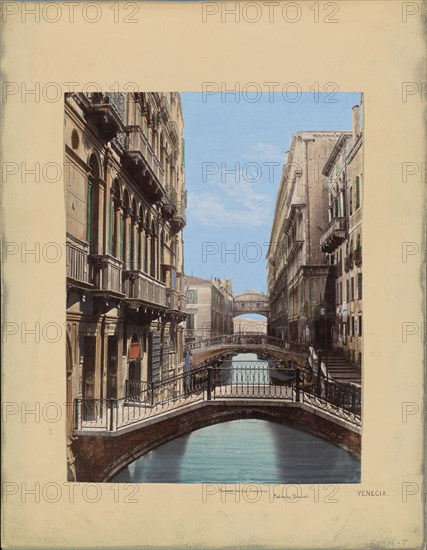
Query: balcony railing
{"points": [[173, 129], [140, 286], [106, 273], [143, 161], [170, 201], [172, 299], [77, 267], [165, 108], [108, 112], [179, 217], [333, 235]]}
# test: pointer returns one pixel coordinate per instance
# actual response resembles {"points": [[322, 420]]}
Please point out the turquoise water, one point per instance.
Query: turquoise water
{"points": [[244, 451]]}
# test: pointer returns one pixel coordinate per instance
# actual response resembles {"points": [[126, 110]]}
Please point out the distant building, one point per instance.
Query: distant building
{"points": [[209, 308], [256, 326], [300, 285]]}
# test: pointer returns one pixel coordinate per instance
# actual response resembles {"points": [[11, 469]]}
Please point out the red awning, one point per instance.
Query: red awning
{"points": [[134, 350]]}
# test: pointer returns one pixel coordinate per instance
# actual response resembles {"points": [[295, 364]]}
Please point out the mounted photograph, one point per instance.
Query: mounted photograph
{"points": [[214, 286]]}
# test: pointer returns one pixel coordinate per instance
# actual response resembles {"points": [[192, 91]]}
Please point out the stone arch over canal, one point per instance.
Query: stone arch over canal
{"points": [[99, 457]]}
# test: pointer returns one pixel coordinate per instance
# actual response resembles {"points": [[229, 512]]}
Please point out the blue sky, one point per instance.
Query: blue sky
{"points": [[234, 152]]}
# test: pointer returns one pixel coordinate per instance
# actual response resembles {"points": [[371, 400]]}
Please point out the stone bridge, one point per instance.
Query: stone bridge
{"points": [[216, 347], [251, 301], [111, 434]]}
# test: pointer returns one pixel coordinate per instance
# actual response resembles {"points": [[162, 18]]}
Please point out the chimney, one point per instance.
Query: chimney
{"points": [[356, 125]]}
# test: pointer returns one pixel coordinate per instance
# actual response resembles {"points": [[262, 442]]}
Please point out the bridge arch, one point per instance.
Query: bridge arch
{"points": [[100, 458]]}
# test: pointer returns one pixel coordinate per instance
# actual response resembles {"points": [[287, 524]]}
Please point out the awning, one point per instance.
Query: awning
{"points": [[134, 351]]}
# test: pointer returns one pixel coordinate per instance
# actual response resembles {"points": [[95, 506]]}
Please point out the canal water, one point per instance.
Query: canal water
{"points": [[244, 451]]}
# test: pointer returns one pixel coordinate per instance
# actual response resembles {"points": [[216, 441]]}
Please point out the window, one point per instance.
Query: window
{"points": [[122, 233], [360, 325], [89, 211], [350, 194], [353, 326], [190, 321], [192, 297], [111, 223], [348, 290], [357, 192], [138, 249], [352, 289], [359, 286]]}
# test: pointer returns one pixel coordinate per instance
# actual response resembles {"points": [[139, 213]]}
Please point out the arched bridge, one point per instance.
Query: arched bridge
{"points": [[251, 301], [207, 350], [109, 434]]}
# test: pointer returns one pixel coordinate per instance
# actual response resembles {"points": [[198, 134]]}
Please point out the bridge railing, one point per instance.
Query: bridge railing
{"points": [[229, 380], [248, 339]]}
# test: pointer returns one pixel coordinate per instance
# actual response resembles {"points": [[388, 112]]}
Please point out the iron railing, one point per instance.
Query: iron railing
{"points": [[251, 380]]}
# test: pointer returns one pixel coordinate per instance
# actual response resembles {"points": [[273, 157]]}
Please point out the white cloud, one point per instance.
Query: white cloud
{"points": [[266, 152], [235, 204]]}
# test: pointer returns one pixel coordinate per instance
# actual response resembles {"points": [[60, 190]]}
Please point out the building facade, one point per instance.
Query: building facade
{"points": [[125, 212], [300, 285], [209, 308], [342, 239]]}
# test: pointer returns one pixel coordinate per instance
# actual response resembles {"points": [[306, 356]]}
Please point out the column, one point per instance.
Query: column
{"points": [[126, 238], [148, 258], [117, 231], [133, 250], [140, 251]]}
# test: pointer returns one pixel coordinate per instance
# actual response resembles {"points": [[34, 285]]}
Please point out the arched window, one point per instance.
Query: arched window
{"points": [[124, 238], [113, 225], [133, 258]]}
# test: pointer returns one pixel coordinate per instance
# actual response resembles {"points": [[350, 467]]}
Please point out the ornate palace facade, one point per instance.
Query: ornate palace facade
{"points": [[125, 212]]}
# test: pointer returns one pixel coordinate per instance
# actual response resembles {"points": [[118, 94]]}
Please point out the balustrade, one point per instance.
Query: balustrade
{"points": [[140, 286], [106, 272], [77, 252]]}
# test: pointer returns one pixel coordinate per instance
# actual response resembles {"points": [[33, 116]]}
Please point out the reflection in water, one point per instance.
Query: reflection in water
{"points": [[244, 451]]}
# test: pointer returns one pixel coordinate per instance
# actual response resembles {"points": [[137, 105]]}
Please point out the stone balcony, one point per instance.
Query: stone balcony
{"points": [[334, 235], [108, 113], [173, 129], [106, 274], [141, 287], [164, 108], [170, 202], [179, 220], [143, 164], [175, 301], [77, 266]]}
